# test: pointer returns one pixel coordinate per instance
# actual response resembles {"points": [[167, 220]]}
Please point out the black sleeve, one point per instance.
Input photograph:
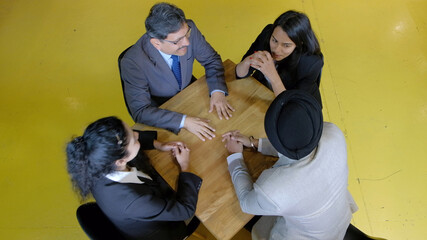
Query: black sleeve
{"points": [[146, 138], [178, 207]]}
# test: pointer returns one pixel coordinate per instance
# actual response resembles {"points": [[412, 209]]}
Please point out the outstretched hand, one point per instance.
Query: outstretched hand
{"points": [[219, 102], [199, 127]]}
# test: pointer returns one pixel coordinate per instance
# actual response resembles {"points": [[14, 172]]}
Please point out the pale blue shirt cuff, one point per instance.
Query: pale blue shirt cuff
{"points": [[233, 157], [181, 125], [217, 90]]}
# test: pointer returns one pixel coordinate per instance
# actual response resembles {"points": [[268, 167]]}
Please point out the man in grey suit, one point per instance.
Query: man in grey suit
{"points": [[160, 64], [304, 195]]}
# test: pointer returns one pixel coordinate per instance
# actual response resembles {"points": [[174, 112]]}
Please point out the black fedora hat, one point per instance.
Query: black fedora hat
{"points": [[294, 123]]}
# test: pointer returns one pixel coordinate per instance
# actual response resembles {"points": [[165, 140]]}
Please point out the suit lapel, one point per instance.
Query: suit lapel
{"points": [[159, 63]]}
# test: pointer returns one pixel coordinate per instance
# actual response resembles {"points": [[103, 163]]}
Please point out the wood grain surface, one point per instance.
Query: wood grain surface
{"points": [[218, 207]]}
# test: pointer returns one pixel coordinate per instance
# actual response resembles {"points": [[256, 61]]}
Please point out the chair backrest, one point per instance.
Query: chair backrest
{"points": [[121, 79], [353, 233], [95, 224]]}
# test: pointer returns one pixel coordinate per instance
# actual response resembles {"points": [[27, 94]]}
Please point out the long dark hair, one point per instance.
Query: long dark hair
{"points": [[93, 155], [297, 26]]}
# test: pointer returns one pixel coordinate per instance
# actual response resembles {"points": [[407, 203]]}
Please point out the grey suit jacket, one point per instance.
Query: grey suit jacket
{"points": [[303, 199], [145, 74]]}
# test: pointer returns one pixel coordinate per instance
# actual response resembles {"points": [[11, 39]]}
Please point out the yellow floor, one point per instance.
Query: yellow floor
{"points": [[59, 72]]}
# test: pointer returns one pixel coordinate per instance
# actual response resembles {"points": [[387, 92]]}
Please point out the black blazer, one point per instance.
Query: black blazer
{"points": [[305, 75], [151, 210]]}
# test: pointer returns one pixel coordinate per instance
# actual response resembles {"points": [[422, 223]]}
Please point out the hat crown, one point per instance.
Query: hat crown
{"points": [[294, 123]]}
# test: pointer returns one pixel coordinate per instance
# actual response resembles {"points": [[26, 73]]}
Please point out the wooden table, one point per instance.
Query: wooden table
{"points": [[218, 207]]}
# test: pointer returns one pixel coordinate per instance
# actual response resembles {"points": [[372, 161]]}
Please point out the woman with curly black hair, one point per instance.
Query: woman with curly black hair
{"points": [[107, 162]]}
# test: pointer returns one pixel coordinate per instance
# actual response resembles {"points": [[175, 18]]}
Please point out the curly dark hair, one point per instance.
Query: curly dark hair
{"points": [[93, 155]]}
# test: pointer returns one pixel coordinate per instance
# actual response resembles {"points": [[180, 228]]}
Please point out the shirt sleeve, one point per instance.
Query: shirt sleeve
{"points": [[251, 197], [265, 147], [178, 207], [138, 98], [209, 59], [146, 139]]}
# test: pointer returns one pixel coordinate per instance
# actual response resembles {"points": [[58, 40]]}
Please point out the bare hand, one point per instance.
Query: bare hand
{"points": [[237, 136], [199, 127], [221, 105], [182, 155], [169, 146], [264, 62], [233, 146]]}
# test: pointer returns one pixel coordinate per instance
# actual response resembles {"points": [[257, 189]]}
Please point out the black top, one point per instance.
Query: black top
{"points": [[152, 210], [304, 75]]}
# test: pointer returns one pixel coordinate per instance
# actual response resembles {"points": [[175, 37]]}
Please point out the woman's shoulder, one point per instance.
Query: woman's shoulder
{"points": [[308, 61], [306, 58]]}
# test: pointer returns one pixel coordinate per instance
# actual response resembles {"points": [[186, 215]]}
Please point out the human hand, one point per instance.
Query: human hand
{"points": [[182, 156], [233, 146], [237, 136], [221, 105], [169, 146], [199, 127], [264, 62]]}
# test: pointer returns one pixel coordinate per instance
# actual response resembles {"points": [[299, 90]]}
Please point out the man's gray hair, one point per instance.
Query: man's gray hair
{"points": [[163, 19]]}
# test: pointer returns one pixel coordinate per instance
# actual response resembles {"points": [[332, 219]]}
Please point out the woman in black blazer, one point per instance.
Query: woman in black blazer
{"points": [[108, 162], [286, 55]]}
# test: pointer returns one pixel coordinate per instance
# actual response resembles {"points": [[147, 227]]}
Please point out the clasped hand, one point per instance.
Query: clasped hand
{"points": [[179, 150], [235, 141], [263, 62]]}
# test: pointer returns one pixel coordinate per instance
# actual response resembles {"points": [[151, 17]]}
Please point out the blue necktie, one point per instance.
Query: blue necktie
{"points": [[176, 69]]}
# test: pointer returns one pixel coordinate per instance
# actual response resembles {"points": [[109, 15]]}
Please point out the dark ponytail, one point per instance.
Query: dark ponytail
{"points": [[93, 155]]}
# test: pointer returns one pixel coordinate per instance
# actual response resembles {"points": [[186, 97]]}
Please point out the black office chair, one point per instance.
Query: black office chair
{"points": [[95, 224], [353, 233]]}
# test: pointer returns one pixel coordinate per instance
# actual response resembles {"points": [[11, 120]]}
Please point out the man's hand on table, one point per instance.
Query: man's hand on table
{"points": [[219, 102], [234, 141], [199, 127]]}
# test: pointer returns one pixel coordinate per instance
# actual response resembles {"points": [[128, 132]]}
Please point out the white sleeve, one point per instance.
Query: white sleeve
{"points": [[251, 197], [265, 147]]}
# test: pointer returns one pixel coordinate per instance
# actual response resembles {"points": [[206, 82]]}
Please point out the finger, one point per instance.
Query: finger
{"points": [[200, 136], [207, 133], [225, 138], [230, 107], [206, 126], [202, 120], [211, 107], [227, 113], [221, 111], [218, 111]]}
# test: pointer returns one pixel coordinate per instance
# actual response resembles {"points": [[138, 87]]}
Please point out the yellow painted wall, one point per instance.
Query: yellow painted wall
{"points": [[59, 72]]}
